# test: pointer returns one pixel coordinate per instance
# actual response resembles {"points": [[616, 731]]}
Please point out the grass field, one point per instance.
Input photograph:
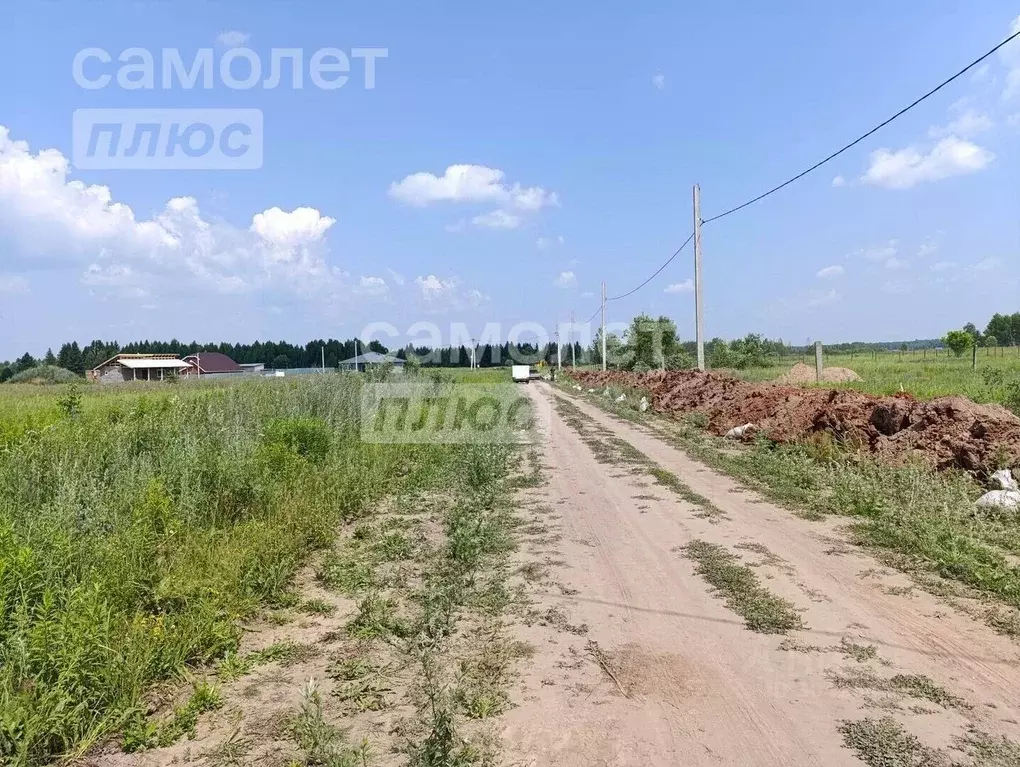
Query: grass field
{"points": [[138, 526], [996, 377], [920, 373]]}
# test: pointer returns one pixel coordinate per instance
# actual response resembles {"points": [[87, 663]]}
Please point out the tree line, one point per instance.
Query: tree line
{"points": [[282, 355], [648, 343], [1001, 330]]}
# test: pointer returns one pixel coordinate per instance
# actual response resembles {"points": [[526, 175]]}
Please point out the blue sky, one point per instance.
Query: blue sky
{"points": [[509, 159]]}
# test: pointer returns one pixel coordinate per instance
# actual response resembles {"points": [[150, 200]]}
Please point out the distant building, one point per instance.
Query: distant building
{"points": [[371, 359], [211, 363], [252, 367], [137, 367]]}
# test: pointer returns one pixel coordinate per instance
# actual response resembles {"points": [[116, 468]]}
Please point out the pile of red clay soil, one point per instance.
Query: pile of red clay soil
{"points": [[948, 431], [801, 373]]}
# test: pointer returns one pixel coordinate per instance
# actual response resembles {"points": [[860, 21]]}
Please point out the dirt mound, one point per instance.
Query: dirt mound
{"points": [[948, 431], [801, 373]]}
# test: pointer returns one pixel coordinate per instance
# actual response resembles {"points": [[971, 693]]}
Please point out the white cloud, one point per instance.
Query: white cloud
{"points": [[397, 277], [302, 225], [830, 272], [877, 252], [941, 266], [232, 38], [373, 286], [469, 183], [587, 294], [839, 181], [565, 280], [816, 298], [13, 284], [680, 287], [952, 156], [449, 293], [432, 288], [49, 219], [659, 81], [927, 247], [544, 243], [987, 264], [457, 227], [896, 263], [969, 123], [497, 219]]}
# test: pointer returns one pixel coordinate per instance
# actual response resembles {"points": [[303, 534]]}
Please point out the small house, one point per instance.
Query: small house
{"points": [[211, 363], [137, 367], [367, 360]]}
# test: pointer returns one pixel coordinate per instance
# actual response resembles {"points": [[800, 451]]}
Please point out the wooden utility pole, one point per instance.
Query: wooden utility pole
{"points": [[818, 361], [698, 318], [324, 358], [603, 324]]}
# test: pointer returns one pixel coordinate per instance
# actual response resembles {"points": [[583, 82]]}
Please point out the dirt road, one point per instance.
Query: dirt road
{"points": [[640, 662]]}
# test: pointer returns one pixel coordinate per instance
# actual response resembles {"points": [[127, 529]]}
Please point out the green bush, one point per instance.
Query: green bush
{"points": [[44, 374]]}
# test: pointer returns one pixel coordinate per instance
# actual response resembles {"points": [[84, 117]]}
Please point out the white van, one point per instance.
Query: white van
{"points": [[520, 373]]}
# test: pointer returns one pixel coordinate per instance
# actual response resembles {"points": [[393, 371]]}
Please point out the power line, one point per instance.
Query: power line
{"points": [[655, 273], [874, 130], [650, 278]]}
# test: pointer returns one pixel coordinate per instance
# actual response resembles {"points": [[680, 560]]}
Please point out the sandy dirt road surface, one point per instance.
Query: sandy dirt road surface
{"points": [[642, 664]]}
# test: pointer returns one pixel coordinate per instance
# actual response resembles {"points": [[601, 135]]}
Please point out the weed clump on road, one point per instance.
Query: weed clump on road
{"points": [[762, 610], [884, 743]]}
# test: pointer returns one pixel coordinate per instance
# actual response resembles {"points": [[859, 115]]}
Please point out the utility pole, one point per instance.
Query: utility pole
{"points": [[357, 353], [559, 355], [573, 362], [324, 358], [474, 346], [603, 324], [698, 328]]}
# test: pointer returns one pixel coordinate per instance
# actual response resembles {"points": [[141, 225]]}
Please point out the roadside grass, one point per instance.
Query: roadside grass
{"points": [[917, 520], [430, 578], [142, 732], [317, 607], [363, 685], [761, 610], [321, 742]]}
